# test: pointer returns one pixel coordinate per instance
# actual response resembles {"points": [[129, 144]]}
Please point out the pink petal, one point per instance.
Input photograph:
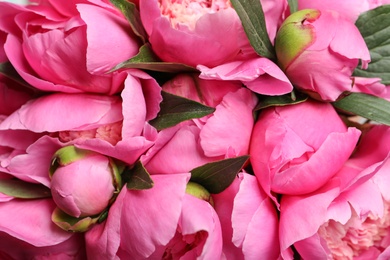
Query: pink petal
{"points": [[138, 217], [260, 75], [104, 53], [230, 126], [33, 218], [59, 112], [320, 167], [103, 240], [177, 144], [296, 210], [33, 166]]}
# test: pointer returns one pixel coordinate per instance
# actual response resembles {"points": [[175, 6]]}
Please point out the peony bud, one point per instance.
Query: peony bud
{"points": [[312, 44], [200, 192], [83, 185]]}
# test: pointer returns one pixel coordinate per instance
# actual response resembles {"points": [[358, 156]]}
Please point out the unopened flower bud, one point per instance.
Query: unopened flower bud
{"points": [[83, 183]]}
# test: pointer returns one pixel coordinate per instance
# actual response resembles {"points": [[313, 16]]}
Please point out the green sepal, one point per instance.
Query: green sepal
{"points": [[176, 109], [70, 223], [367, 106], [252, 18], [23, 190], [137, 178], [217, 176], [130, 11], [147, 60], [374, 25]]}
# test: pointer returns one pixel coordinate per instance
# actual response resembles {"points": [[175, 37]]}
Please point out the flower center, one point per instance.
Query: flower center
{"points": [[356, 237], [187, 12], [110, 133], [181, 244]]}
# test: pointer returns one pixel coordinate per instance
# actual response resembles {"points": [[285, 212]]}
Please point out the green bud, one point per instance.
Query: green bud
{"points": [[294, 36]]}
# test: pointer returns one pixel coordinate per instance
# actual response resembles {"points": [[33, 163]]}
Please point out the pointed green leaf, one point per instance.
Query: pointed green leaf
{"points": [[175, 109], [367, 106], [217, 176], [283, 100], [24, 190], [137, 178], [147, 60], [293, 4], [130, 11], [252, 19], [374, 25]]}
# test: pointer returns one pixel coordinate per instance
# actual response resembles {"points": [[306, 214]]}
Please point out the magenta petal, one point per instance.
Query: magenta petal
{"points": [[260, 75], [30, 221], [230, 126], [59, 112], [144, 227]]}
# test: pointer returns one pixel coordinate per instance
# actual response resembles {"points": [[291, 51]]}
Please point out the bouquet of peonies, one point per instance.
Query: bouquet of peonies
{"points": [[195, 129]]}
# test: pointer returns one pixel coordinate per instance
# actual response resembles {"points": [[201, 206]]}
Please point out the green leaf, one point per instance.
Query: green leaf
{"points": [[137, 178], [374, 25], [217, 176], [175, 109], [284, 100], [252, 19], [24, 190], [147, 60], [367, 106], [293, 4], [130, 11]]}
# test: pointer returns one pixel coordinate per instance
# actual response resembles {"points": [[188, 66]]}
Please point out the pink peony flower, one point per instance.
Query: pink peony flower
{"points": [[62, 46], [311, 45], [223, 134], [198, 32], [186, 227], [106, 124], [349, 218], [293, 143]]}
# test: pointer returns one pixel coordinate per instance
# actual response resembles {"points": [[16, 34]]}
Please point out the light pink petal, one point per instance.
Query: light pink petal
{"points": [[382, 179], [134, 107], [296, 210], [143, 227], [208, 39], [230, 126], [246, 203], [371, 86], [178, 144], [260, 75], [313, 247], [265, 219], [223, 205], [127, 150], [358, 50], [104, 53], [103, 240], [198, 215], [33, 218], [33, 166], [320, 167], [59, 112]]}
